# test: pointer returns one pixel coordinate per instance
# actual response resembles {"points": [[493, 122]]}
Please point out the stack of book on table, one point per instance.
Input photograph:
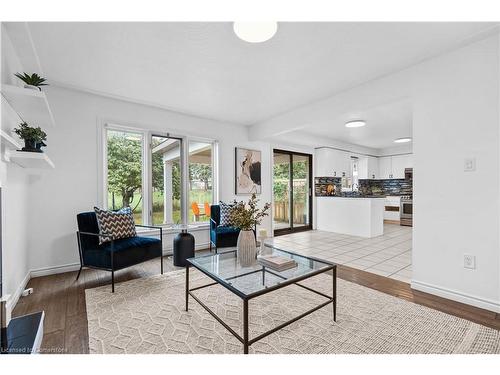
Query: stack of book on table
{"points": [[276, 262]]}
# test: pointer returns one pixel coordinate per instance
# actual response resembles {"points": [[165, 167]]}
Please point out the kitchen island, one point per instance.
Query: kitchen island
{"points": [[355, 216]]}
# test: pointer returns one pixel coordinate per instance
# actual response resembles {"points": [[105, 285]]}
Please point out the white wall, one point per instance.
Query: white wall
{"points": [[456, 116], [15, 230], [15, 205]]}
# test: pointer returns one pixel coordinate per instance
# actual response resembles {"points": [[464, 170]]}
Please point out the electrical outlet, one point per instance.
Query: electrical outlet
{"points": [[469, 261], [27, 292], [470, 164]]}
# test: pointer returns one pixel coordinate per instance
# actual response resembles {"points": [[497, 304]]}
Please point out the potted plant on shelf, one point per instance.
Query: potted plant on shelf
{"points": [[33, 137], [33, 81], [247, 218]]}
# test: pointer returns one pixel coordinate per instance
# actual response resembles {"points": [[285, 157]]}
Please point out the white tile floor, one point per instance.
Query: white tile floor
{"points": [[387, 255]]}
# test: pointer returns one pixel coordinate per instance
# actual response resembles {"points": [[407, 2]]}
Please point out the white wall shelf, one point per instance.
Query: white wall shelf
{"points": [[31, 105], [9, 142], [37, 160]]}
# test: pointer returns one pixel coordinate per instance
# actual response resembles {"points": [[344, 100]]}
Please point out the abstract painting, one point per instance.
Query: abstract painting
{"points": [[247, 173]]}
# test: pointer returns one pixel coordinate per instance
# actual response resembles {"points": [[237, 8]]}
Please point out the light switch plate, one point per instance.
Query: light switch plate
{"points": [[469, 164], [469, 261]]}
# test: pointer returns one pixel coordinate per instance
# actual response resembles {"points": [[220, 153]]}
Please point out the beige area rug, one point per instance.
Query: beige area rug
{"points": [[147, 316]]}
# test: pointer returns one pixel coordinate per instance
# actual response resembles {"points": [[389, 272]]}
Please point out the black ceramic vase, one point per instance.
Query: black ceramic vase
{"points": [[183, 248]]}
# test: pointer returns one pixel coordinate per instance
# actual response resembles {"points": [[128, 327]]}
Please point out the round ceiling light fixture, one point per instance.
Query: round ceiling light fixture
{"points": [[355, 124], [255, 32], [402, 140]]}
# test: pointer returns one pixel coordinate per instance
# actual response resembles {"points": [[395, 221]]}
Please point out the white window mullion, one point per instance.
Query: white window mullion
{"points": [[147, 179], [185, 180], [215, 173]]}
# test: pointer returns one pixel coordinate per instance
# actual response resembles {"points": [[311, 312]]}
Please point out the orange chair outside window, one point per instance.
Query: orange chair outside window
{"points": [[207, 209], [196, 210]]}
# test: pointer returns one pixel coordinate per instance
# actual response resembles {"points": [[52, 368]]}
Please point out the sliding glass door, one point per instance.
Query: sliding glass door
{"points": [[292, 193]]}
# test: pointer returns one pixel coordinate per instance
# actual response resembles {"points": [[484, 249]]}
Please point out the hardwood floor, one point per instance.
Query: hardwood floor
{"points": [[63, 299]]}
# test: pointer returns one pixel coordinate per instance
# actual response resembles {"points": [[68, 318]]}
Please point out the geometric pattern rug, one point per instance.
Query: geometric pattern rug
{"points": [[147, 316]]}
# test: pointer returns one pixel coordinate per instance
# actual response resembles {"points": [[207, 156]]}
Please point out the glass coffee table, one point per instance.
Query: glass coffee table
{"points": [[225, 270]]}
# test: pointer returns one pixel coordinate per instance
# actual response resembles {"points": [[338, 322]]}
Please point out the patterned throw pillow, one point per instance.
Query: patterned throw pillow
{"points": [[119, 224], [225, 210]]}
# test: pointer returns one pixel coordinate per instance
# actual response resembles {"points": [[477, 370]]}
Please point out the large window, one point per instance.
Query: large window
{"points": [[200, 181], [125, 172], [154, 174]]}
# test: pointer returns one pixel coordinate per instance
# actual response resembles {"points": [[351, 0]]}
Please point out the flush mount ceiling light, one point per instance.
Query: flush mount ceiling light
{"points": [[355, 124], [255, 32], [402, 140]]}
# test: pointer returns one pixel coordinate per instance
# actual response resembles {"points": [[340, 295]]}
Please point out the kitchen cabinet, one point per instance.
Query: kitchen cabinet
{"points": [[399, 164], [391, 209], [385, 167], [332, 163], [363, 217], [335, 163], [368, 167], [394, 166]]}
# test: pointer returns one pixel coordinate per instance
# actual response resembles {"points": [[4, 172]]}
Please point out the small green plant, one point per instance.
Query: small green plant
{"points": [[246, 218], [33, 80], [30, 134]]}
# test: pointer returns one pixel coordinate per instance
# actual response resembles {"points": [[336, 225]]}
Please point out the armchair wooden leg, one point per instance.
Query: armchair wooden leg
{"points": [[78, 276], [112, 281], [161, 263], [210, 245]]}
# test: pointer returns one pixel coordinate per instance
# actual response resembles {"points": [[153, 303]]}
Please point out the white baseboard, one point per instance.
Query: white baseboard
{"points": [[14, 297], [454, 295], [46, 271]]}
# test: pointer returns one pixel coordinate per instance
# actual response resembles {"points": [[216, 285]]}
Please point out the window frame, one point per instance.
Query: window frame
{"points": [[215, 195], [147, 178]]}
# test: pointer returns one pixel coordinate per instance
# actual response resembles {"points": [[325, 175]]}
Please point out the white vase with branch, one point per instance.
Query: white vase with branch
{"points": [[247, 216]]}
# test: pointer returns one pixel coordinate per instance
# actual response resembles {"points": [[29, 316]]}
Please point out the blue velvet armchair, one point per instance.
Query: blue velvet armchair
{"points": [[116, 254], [221, 236]]}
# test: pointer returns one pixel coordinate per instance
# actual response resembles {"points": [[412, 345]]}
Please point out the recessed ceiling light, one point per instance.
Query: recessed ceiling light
{"points": [[355, 124], [255, 32], [402, 140]]}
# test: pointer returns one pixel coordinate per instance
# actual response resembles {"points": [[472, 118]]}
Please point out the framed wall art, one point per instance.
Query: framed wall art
{"points": [[247, 171]]}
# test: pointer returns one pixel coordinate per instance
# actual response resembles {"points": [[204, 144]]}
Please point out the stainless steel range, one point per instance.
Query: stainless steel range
{"points": [[406, 210]]}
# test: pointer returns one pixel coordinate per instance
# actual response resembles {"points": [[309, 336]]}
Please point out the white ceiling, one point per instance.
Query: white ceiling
{"points": [[203, 69], [383, 125]]}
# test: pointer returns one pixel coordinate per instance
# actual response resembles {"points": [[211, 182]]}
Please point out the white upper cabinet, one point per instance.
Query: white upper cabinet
{"points": [[332, 163], [321, 165], [336, 163], [394, 166], [373, 171], [400, 163], [385, 167], [368, 167], [363, 168]]}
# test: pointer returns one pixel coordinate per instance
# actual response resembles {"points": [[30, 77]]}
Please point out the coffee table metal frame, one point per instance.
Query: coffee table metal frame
{"points": [[245, 340]]}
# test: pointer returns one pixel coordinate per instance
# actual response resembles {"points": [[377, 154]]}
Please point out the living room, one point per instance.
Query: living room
{"points": [[121, 231]]}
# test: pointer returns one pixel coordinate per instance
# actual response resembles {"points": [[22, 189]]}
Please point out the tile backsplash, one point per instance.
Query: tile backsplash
{"points": [[386, 187], [327, 186]]}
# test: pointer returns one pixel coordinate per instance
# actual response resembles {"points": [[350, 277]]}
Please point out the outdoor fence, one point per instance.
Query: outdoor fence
{"points": [[282, 212]]}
